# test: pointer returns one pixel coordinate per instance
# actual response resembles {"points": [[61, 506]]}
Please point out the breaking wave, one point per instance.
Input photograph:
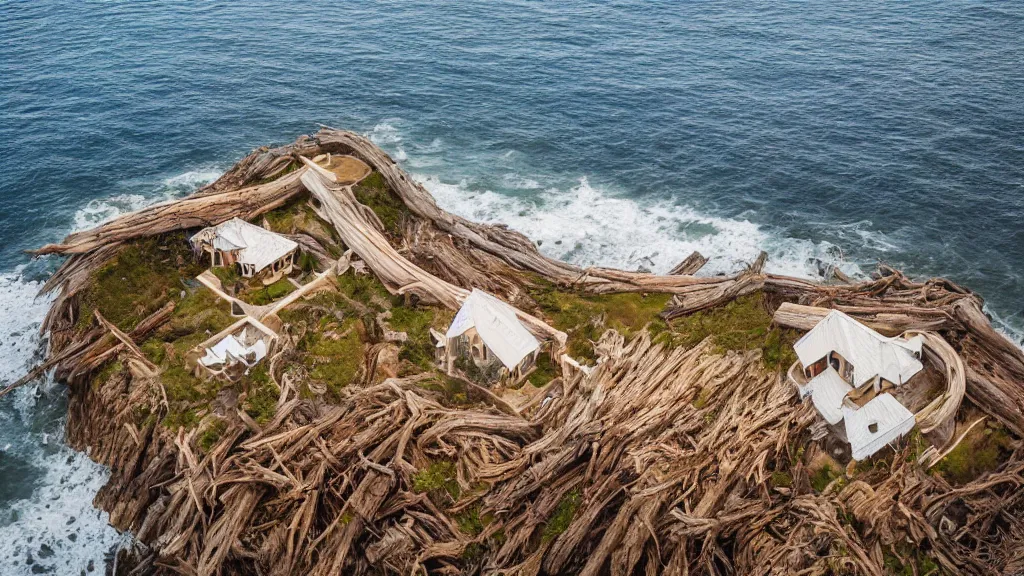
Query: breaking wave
{"points": [[588, 226], [47, 521], [98, 211]]}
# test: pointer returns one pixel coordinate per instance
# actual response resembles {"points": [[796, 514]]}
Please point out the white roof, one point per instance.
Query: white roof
{"points": [[892, 419], [230, 348], [828, 390], [497, 325], [257, 246], [871, 354]]}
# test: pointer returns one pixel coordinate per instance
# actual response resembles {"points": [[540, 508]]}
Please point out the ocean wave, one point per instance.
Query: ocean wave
{"points": [[589, 226], [55, 528], [193, 179], [52, 525], [101, 210]]}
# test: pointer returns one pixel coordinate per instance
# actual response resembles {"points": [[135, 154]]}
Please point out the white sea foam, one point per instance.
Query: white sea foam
{"points": [[193, 179], [385, 133], [588, 226], [55, 528], [98, 211]]}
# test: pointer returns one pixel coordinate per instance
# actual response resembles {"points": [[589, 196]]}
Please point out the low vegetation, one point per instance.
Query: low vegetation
{"points": [[439, 481], [981, 451], [743, 324], [373, 192], [563, 515], [139, 280], [585, 317]]}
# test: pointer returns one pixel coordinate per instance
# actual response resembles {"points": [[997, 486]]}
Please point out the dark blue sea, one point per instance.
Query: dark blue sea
{"points": [[618, 133]]}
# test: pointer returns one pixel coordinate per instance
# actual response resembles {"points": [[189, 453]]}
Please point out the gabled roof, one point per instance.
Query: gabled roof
{"points": [[828, 390], [891, 420], [497, 325], [256, 246], [871, 354]]}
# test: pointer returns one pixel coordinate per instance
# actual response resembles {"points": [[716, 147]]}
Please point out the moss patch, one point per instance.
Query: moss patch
{"points": [[545, 371], [335, 355], [563, 515], [439, 481], [781, 479], [267, 294], [212, 434], [743, 324], [261, 395], [823, 476], [373, 192], [139, 280], [585, 317], [416, 323], [471, 522], [981, 451]]}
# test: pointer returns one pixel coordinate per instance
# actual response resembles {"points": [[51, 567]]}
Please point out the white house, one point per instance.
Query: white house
{"points": [[882, 420], [252, 248], [242, 345], [840, 356], [857, 352], [486, 330]]}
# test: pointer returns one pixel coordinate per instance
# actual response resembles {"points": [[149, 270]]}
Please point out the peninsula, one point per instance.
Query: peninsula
{"points": [[308, 367]]}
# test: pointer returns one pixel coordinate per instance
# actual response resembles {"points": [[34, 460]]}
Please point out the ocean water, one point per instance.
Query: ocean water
{"points": [[620, 133]]}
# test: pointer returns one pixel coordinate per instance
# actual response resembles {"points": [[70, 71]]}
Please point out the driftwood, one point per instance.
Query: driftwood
{"points": [[689, 266]]}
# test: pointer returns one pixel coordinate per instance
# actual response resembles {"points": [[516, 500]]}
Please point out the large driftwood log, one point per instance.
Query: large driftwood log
{"points": [[353, 222]]}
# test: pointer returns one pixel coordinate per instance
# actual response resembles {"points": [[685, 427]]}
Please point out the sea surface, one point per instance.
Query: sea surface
{"points": [[618, 133]]}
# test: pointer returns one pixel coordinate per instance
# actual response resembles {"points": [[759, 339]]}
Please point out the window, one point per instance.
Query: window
{"points": [[873, 427]]}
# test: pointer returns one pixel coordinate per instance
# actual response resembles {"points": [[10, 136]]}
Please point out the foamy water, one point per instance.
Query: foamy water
{"points": [[590, 227], [48, 523]]}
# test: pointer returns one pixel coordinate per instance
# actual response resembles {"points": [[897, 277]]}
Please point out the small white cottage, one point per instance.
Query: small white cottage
{"points": [[234, 350], [254, 249], [487, 332], [858, 353], [841, 359]]}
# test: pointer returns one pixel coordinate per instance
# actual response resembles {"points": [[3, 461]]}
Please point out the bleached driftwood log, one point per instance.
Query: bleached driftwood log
{"points": [[353, 222]]}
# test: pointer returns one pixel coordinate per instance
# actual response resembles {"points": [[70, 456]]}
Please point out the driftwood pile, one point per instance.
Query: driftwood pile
{"points": [[661, 460]]}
